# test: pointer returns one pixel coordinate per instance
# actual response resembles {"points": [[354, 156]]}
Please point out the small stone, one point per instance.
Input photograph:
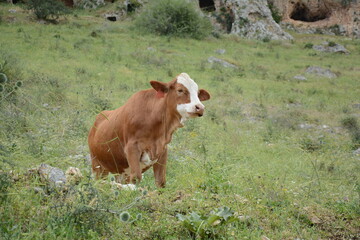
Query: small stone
{"points": [[52, 175], [322, 72], [305, 126], [356, 152], [221, 62], [300, 78], [356, 105], [336, 48], [39, 190], [315, 220], [220, 51]]}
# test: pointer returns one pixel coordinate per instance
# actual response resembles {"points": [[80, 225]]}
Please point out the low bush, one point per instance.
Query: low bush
{"points": [[309, 45], [47, 9], [177, 18], [352, 125], [10, 77]]}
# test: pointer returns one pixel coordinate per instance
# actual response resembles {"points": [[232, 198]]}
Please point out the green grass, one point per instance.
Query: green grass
{"points": [[247, 153]]}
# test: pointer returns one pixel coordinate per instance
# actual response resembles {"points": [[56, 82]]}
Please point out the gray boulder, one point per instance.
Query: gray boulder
{"points": [[357, 152], [332, 48], [300, 78], [322, 72], [221, 62], [253, 19], [52, 175], [220, 51]]}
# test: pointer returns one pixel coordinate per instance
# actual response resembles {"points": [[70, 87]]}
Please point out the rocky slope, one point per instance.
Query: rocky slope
{"points": [[247, 18], [340, 17]]}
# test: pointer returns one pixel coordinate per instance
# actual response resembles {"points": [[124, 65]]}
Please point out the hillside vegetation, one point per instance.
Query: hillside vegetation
{"points": [[276, 154]]}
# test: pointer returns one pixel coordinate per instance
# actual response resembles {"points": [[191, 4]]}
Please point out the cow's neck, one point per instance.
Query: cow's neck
{"points": [[171, 120]]}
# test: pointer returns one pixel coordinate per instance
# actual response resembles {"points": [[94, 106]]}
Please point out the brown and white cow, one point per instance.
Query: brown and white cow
{"points": [[131, 139]]}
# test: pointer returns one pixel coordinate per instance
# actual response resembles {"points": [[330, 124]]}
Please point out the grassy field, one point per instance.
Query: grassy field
{"points": [[248, 153]]}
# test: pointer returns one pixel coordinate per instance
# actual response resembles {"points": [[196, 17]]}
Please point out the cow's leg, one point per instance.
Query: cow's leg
{"points": [[160, 170], [133, 157], [97, 169]]}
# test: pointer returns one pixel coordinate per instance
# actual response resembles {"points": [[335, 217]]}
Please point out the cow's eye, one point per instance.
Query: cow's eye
{"points": [[180, 91]]}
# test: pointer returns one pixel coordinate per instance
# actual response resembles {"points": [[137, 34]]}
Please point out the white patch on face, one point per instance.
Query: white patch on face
{"points": [[192, 87]]}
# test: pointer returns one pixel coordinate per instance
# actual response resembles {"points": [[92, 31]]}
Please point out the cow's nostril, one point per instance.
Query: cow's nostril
{"points": [[198, 108]]}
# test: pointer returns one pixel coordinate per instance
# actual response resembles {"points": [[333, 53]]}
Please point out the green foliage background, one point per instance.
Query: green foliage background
{"points": [[248, 153]]}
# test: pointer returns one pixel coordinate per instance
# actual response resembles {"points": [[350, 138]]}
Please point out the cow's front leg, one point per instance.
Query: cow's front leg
{"points": [[133, 155], [160, 170]]}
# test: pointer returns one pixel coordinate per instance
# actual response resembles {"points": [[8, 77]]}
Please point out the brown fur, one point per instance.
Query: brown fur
{"points": [[145, 123]]}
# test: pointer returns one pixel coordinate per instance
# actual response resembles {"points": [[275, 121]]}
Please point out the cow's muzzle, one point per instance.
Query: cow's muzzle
{"points": [[199, 110]]}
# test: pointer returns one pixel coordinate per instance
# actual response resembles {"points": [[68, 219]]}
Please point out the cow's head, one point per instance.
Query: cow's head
{"points": [[184, 92]]}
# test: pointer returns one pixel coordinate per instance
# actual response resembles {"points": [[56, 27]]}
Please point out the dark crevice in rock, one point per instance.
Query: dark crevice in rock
{"points": [[301, 12], [207, 5], [111, 18]]}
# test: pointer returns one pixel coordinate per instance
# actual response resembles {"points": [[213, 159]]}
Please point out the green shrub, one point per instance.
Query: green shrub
{"points": [[352, 125], [309, 45], [206, 226], [275, 13], [225, 18], [47, 9], [173, 18], [10, 77], [332, 44]]}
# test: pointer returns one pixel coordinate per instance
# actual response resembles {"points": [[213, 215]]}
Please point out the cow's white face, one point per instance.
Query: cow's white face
{"points": [[186, 95], [193, 107]]}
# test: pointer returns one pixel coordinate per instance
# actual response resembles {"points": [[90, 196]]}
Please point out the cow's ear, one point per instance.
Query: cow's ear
{"points": [[160, 87], [204, 95]]}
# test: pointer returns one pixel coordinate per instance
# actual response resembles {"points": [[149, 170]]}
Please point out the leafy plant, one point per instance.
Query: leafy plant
{"points": [[5, 183], [352, 125], [205, 226], [225, 18], [47, 9], [275, 13], [311, 145], [332, 44], [309, 45], [10, 77], [177, 18]]}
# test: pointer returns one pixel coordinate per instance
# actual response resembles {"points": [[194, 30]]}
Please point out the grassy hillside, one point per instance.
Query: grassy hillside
{"points": [[272, 148]]}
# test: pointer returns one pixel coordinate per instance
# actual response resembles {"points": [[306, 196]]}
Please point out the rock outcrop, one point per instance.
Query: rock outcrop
{"points": [[334, 17], [331, 48], [247, 18], [321, 72]]}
